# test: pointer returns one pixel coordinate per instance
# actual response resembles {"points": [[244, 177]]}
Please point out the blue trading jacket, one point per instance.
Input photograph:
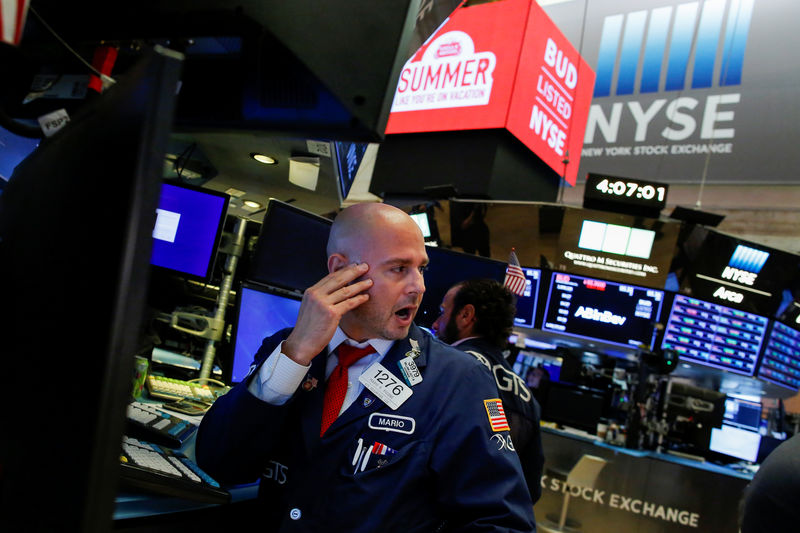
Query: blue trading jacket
{"points": [[448, 467]]}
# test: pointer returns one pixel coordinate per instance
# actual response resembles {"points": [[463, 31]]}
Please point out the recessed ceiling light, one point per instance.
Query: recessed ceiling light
{"points": [[261, 158], [251, 203]]}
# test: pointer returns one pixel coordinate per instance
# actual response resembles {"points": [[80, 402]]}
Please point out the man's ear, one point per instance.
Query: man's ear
{"points": [[336, 262], [467, 315]]}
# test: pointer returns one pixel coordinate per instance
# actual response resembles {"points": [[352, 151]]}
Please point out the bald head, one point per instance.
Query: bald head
{"points": [[359, 226]]}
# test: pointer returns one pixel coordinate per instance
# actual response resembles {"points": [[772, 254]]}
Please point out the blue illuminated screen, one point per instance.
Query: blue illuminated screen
{"points": [[714, 335], [188, 227], [602, 310], [780, 363], [260, 314]]}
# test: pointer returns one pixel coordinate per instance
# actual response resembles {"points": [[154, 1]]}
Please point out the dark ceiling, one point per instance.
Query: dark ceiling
{"points": [[285, 79]]}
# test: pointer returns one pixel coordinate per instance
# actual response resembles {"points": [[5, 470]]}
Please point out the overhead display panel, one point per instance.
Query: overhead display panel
{"points": [[499, 65], [734, 272], [619, 247]]}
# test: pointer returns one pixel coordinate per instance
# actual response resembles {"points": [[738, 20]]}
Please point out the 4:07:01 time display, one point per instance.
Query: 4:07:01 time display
{"points": [[631, 189]]}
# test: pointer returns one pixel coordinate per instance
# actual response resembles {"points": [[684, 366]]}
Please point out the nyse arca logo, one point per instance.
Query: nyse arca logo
{"points": [[449, 74], [669, 49], [742, 269], [744, 265]]}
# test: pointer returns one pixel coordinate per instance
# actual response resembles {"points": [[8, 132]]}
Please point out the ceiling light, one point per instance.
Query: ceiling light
{"points": [[253, 204], [261, 158]]}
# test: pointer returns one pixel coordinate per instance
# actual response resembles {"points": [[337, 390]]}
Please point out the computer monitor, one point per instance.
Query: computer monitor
{"points": [[527, 302], [76, 224], [189, 222], [780, 362], [739, 436], [421, 219], [291, 249], [714, 335], [260, 312], [574, 406], [445, 269], [601, 310], [691, 413]]}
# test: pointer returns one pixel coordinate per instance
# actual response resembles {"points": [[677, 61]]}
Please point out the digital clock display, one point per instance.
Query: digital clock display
{"points": [[604, 191]]}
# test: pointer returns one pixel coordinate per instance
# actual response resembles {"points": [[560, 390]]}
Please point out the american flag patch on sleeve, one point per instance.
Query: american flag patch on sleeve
{"points": [[497, 416]]}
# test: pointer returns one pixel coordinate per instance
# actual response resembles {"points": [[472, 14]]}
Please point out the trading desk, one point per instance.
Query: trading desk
{"points": [[638, 491], [147, 511]]}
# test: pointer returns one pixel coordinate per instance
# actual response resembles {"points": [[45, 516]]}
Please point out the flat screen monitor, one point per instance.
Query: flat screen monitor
{"points": [[76, 224], [527, 303], [445, 269], [189, 222], [739, 436], [260, 312], [348, 156], [291, 248], [714, 335], [780, 362], [421, 219], [606, 311], [574, 406]]}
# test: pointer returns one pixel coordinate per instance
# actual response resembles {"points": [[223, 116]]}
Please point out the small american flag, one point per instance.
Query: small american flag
{"points": [[515, 278], [12, 20], [497, 416]]}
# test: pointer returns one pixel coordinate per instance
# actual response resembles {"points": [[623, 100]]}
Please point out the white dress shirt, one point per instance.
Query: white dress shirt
{"points": [[279, 376]]}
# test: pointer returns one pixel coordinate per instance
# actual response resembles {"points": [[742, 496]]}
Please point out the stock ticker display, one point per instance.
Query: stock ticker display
{"points": [[714, 335]]}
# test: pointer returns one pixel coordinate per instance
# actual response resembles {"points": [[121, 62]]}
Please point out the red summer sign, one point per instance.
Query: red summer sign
{"points": [[499, 65]]}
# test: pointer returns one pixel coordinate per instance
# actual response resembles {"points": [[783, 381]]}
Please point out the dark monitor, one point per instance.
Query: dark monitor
{"points": [[606, 311], [291, 248], [445, 269], [189, 222], [738, 437], [260, 312], [574, 406], [780, 362], [691, 413], [527, 302], [76, 224], [714, 335]]}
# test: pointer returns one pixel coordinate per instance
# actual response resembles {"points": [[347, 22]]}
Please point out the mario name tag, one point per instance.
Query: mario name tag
{"points": [[383, 384]]}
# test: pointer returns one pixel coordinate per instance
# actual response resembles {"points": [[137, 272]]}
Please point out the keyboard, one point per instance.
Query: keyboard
{"points": [[177, 389], [148, 422], [147, 466]]}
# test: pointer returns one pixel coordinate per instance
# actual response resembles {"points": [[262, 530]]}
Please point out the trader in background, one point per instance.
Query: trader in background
{"points": [[477, 316], [414, 445]]}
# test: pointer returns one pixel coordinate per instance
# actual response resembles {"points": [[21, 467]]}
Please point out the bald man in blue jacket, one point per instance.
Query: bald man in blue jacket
{"points": [[420, 442]]}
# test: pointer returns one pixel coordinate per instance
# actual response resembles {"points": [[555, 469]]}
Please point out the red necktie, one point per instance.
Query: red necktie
{"points": [[336, 389]]}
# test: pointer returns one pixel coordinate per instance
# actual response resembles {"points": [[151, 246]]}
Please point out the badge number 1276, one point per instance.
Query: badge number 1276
{"points": [[383, 384]]}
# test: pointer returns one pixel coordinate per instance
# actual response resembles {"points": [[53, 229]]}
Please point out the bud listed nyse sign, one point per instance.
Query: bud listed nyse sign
{"points": [[497, 65]]}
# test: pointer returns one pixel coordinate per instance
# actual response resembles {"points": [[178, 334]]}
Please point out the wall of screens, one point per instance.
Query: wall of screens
{"points": [[601, 310], [714, 335]]}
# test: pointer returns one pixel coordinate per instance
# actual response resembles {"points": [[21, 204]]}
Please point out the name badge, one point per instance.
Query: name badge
{"points": [[411, 373], [385, 385], [386, 422]]}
